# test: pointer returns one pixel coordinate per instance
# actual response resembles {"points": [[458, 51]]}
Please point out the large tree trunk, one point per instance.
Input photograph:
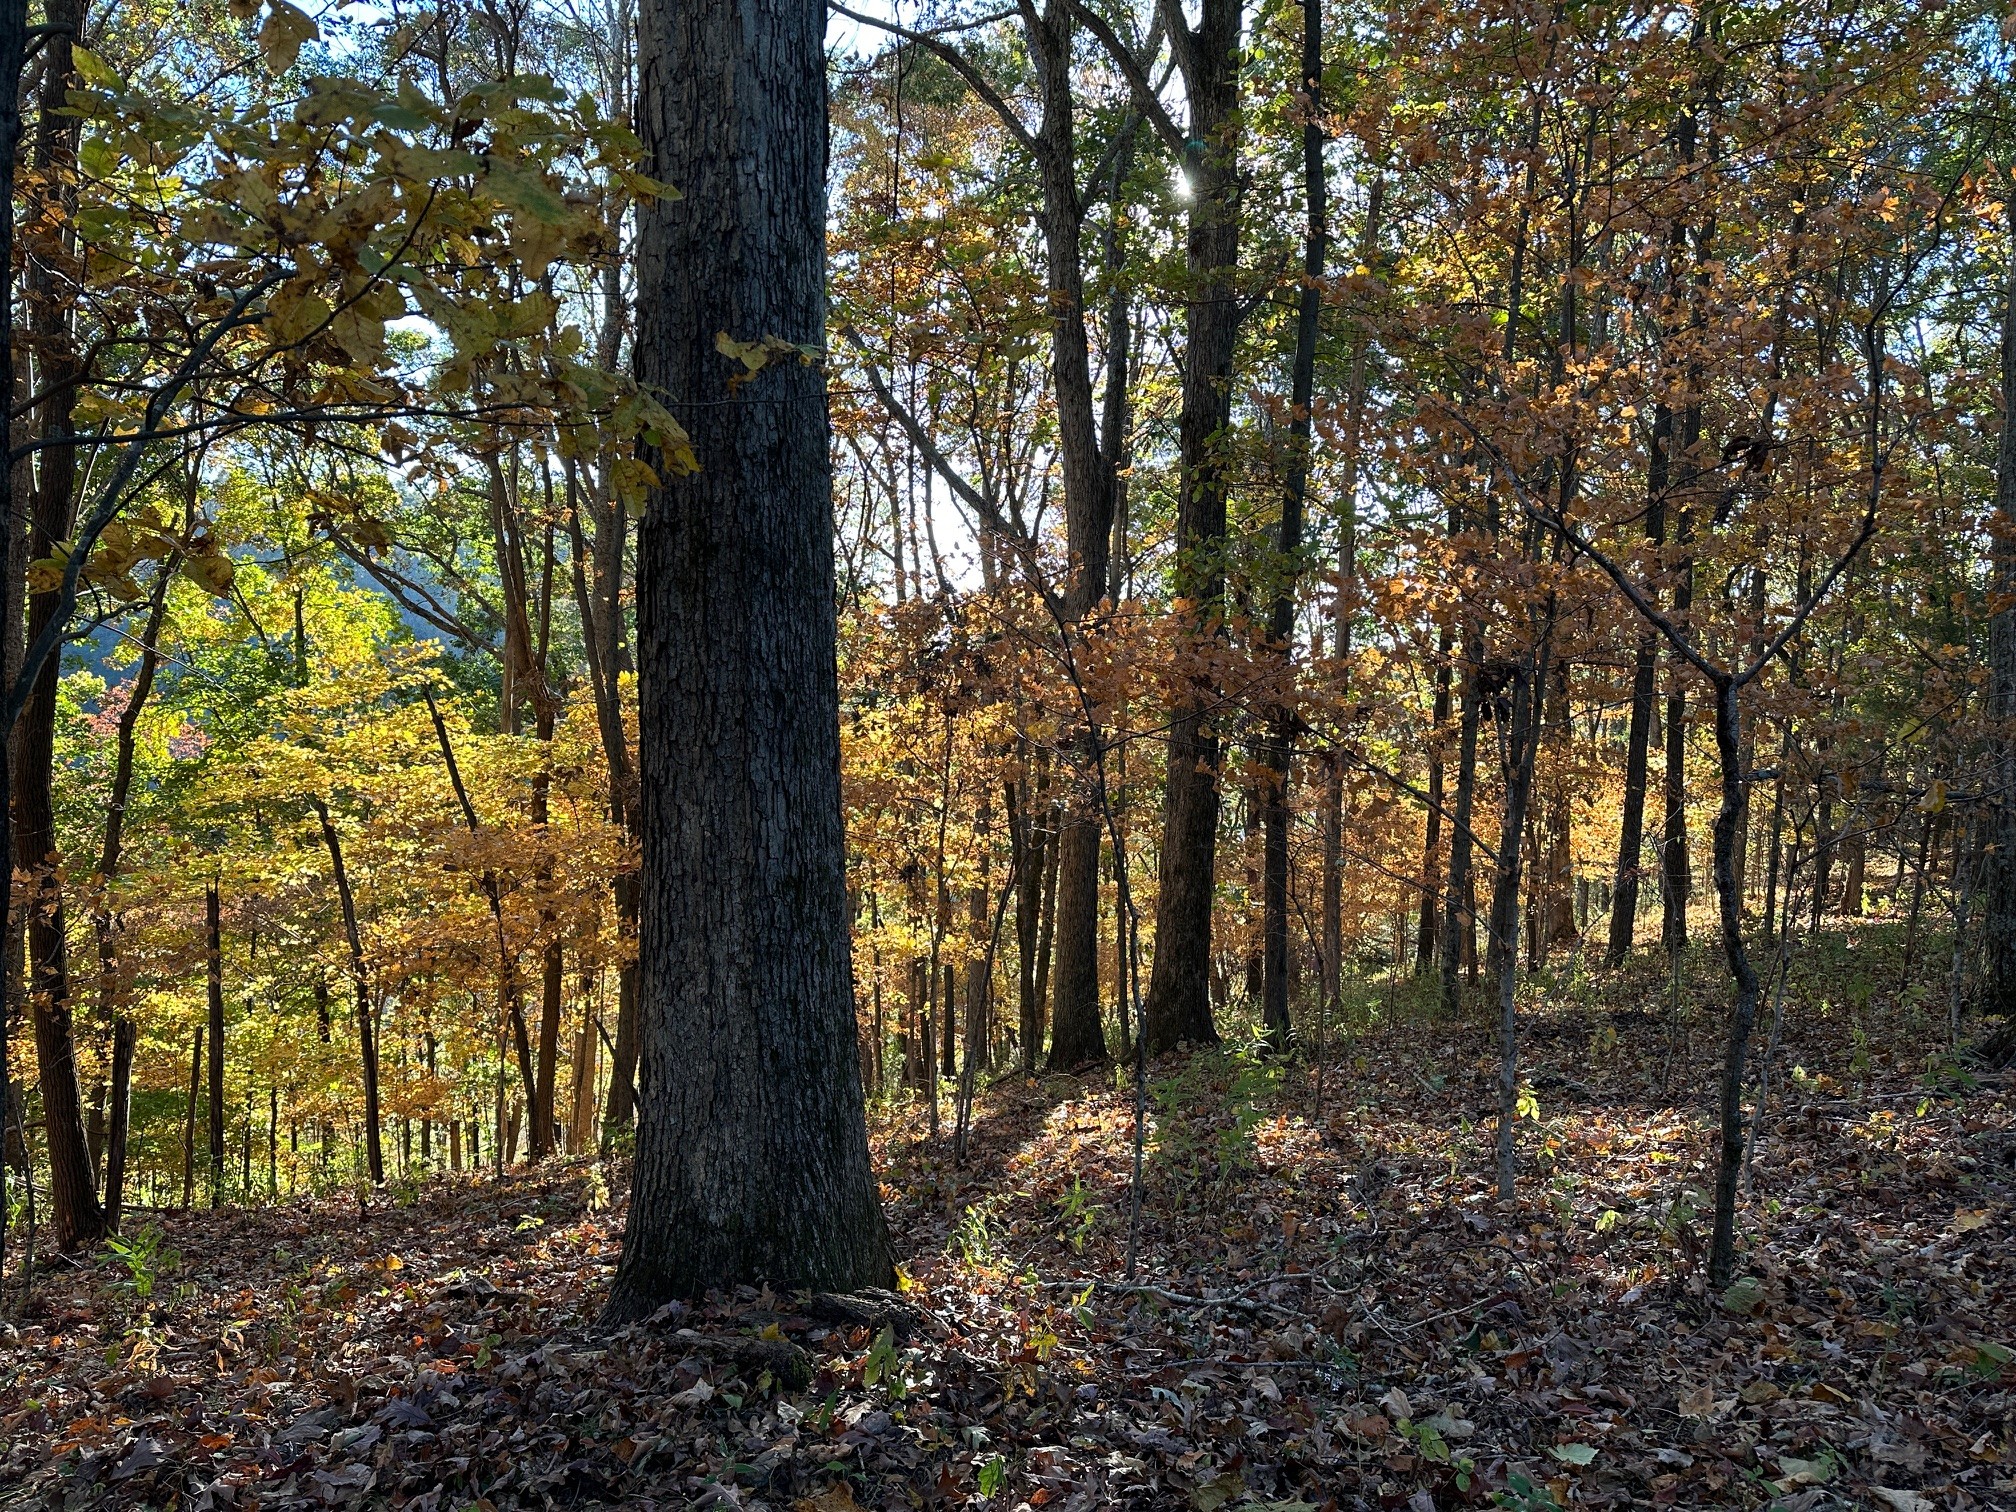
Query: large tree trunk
{"points": [[1077, 1038], [1077, 1035], [1178, 1007], [79, 1221], [752, 1145], [13, 45]]}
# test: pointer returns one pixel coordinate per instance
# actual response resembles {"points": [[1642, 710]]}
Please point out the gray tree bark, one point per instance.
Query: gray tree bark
{"points": [[752, 1147]]}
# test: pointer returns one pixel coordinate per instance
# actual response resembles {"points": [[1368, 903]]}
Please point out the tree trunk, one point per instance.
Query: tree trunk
{"points": [[1031, 867], [1426, 933], [551, 1001], [1278, 746], [752, 1149], [103, 923], [367, 1027], [189, 1121], [1743, 1012], [1077, 1038], [1998, 920], [1178, 1007], [79, 1221], [13, 45], [1077, 1035], [1458, 916], [213, 937], [622, 1107], [119, 1120], [1676, 881], [1522, 751]]}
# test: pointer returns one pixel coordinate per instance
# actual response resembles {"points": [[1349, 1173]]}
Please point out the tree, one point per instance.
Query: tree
{"points": [[752, 1152]]}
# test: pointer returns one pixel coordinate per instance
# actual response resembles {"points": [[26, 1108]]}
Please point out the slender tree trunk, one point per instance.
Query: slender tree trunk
{"points": [[1426, 933], [507, 959], [1558, 924], [104, 925], [1998, 919], [1278, 748], [1743, 1011], [1676, 880], [1522, 751], [119, 1120], [213, 936], [552, 983], [189, 1121], [1458, 917], [1046, 923], [367, 1026], [752, 1149], [621, 1112]]}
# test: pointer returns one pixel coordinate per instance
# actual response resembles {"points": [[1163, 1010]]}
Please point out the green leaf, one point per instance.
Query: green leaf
{"points": [[525, 191], [94, 69], [1744, 1296], [1574, 1454], [992, 1473]]}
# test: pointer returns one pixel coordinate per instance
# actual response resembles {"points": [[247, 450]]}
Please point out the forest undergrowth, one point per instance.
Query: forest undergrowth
{"points": [[1331, 1308]]}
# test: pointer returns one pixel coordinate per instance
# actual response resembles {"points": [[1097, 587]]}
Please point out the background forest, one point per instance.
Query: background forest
{"points": [[1426, 604]]}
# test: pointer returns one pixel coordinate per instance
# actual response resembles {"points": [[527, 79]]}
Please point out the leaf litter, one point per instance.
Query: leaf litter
{"points": [[1332, 1311]]}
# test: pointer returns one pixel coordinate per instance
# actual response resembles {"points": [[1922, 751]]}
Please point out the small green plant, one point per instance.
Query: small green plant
{"points": [[145, 1258], [1077, 1216], [974, 1239], [884, 1366], [1523, 1495], [992, 1473]]}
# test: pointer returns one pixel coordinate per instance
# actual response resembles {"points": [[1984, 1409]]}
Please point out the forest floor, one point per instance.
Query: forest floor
{"points": [[1335, 1309]]}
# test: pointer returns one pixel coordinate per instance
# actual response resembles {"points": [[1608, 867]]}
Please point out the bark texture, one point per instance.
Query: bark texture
{"points": [[752, 1147], [1178, 1007]]}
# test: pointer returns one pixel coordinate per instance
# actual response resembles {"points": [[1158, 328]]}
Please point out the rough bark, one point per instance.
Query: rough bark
{"points": [[13, 45], [1178, 1007], [752, 1150], [78, 1219]]}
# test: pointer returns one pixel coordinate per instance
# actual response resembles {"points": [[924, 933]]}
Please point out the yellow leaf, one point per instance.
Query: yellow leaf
{"points": [[287, 27], [213, 574]]}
